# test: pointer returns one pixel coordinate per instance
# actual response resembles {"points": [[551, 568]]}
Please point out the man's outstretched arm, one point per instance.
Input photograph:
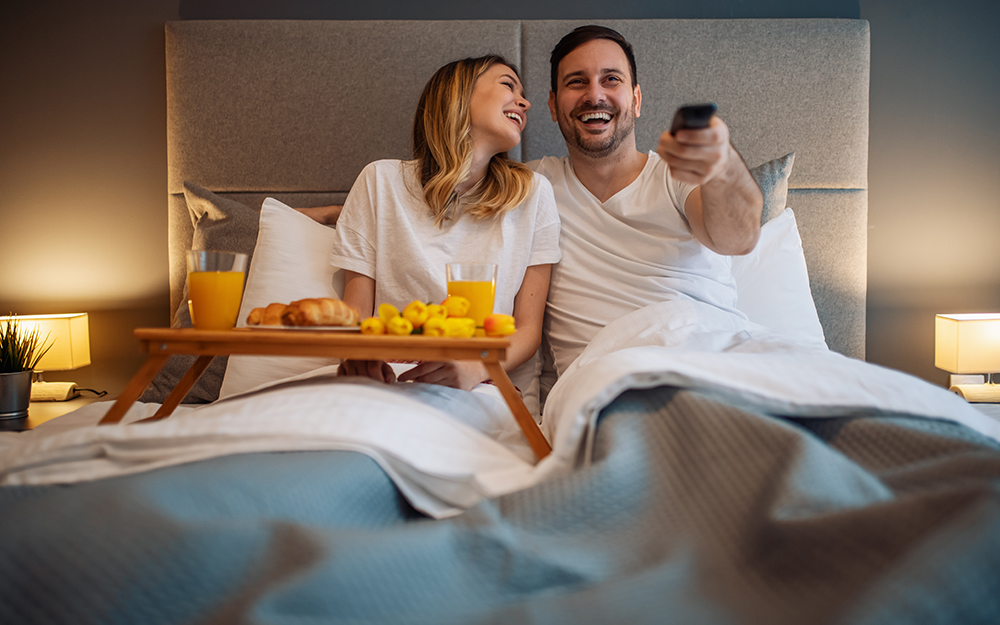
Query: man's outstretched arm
{"points": [[724, 211]]}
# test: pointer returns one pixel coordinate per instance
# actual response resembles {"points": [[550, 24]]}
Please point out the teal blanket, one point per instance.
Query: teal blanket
{"points": [[693, 511]]}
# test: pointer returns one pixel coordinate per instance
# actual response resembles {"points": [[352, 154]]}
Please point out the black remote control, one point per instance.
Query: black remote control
{"points": [[693, 116]]}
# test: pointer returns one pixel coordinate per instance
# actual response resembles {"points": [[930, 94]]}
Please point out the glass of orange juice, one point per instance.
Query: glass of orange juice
{"points": [[476, 282], [215, 288]]}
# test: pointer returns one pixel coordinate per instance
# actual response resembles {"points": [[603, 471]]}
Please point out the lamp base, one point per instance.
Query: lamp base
{"points": [[53, 391], [978, 393]]}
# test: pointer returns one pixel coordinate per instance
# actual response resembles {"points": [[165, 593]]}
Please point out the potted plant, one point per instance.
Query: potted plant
{"points": [[20, 351]]}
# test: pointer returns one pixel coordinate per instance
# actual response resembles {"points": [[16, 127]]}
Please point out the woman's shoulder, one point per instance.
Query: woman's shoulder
{"points": [[389, 173], [540, 184], [541, 179], [540, 199], [387, 166]]}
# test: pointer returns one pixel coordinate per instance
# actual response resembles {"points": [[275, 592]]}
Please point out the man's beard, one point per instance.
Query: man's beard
{"points": [[601, 146]]}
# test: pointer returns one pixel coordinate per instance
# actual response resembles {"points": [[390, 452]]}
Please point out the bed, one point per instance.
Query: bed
{"points": [[706, 467]]}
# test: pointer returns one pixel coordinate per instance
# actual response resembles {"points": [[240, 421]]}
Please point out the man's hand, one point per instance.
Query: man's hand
{"points": [[378, 370], [697, 156], [456, 374], [724, 210], [326, 215]]}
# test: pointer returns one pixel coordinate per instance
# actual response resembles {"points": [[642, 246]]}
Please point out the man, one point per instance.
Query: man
{"points": [[637, 228]]}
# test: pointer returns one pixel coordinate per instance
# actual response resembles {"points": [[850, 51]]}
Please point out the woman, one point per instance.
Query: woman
{"points": [[460, 199]]}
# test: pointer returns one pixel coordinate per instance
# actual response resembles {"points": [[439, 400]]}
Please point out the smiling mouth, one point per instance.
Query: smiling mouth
{"points": [[517, 118], [595, 118]]}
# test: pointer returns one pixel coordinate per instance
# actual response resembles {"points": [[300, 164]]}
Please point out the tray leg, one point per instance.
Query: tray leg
{"points": [[181, 390], [524, 419], [134, 388]]}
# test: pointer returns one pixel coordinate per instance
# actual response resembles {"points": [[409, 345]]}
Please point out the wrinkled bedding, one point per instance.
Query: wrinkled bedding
{"points": [[447, 450], [704, 470], [691, 511]]}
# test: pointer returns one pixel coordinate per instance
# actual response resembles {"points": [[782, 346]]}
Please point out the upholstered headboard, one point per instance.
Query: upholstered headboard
{"points": [[295, 109]]}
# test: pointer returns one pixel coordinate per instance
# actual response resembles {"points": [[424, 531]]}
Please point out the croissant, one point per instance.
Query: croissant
{"points": [[322, 311], [269, 316]]}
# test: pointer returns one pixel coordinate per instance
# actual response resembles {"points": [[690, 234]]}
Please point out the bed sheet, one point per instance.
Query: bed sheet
{"points": [[691, 510], [447, 451]]}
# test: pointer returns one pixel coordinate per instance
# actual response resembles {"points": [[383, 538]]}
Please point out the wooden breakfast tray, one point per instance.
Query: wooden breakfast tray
{"points": [[161, 343]]}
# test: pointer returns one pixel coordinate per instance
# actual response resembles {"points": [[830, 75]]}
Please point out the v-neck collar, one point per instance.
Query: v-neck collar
{"points": [[648, 163]]}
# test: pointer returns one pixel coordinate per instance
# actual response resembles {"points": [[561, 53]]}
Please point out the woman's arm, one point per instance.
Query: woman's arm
{"points": [[529, 309], [359, 293]]}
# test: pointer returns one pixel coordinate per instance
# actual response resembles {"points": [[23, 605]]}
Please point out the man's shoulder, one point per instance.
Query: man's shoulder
{"points": [[549, 166]]}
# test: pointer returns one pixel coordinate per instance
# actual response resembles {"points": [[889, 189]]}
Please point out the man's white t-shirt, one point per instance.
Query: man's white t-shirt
{"points": [[633, 250], [386, 232]]}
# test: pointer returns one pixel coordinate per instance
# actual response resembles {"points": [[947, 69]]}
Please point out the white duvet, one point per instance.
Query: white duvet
{"points": [[447, 450]]}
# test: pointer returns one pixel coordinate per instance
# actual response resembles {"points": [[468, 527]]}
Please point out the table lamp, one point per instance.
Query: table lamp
{"points": [[967, 344], [70, 338]]}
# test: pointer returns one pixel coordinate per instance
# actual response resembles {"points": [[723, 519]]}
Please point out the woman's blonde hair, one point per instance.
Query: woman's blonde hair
{"points": [[442, 146]]}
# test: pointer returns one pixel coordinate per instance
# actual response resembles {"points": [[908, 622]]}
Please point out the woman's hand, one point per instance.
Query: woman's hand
{"points": [[378, 370], [463, 374]]}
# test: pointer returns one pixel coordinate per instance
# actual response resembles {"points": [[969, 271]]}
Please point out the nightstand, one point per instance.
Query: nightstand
{"points": [[41, 411]]}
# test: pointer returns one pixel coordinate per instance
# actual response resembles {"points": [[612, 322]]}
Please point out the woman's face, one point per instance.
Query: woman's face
{"points": [[498, 110]]}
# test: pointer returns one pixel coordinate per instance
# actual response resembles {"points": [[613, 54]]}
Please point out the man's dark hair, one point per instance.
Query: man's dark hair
{"points": [[582, 35]]}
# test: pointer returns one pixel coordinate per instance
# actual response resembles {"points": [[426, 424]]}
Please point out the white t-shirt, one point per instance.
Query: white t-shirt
{"points": [[623, 254], [386, 232]]}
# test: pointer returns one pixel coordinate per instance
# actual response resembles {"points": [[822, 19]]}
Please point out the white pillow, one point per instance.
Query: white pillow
{"points": [[290, 262], [772, 282]]}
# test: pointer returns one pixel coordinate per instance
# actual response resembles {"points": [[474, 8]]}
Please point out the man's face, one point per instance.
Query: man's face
{"points": [[595, 104]]}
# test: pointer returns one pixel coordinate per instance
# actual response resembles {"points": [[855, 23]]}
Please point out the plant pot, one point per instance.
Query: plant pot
{"points": [[15, 394]]}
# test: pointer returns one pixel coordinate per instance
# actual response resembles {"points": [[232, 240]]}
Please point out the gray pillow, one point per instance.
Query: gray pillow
{"points": [[219, 224], [772, 177]]}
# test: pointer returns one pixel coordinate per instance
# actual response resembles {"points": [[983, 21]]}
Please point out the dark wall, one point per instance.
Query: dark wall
{"points": [[934, 160], [83, 154]]}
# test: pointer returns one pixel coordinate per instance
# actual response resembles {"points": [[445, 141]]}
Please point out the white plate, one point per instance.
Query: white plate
{"points": [[309, 328]]}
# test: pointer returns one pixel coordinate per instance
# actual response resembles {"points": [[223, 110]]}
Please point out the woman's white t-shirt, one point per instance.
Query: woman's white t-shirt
{"points": [[386, 232]]}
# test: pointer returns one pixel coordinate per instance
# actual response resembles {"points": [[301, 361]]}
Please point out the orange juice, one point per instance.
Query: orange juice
{"points": [[479, 294], [214, 298]]}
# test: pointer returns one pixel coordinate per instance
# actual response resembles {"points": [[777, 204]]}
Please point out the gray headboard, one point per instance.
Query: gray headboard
{"points": [[295, 109]]}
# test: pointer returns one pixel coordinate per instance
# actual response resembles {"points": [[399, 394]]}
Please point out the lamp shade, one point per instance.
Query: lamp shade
{"points": [[967, 343], [69, 335]]}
